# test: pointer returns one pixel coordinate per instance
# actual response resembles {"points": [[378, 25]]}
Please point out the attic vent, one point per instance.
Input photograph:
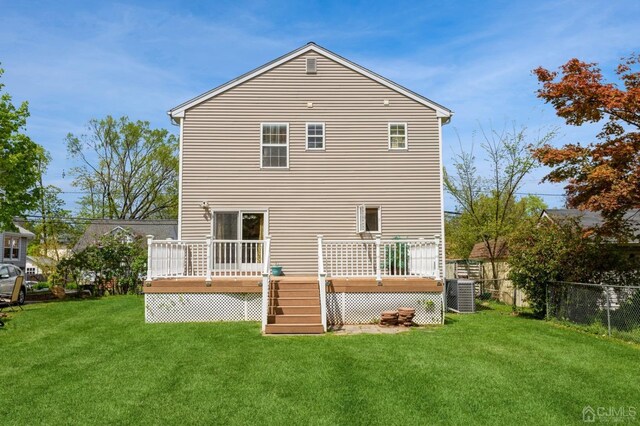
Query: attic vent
{"points": [[311, 66]]}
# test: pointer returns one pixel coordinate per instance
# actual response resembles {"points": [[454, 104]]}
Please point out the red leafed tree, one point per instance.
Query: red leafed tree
{"points": [[603, 175]]}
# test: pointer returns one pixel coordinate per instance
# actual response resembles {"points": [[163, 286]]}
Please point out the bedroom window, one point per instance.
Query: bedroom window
{"points": [[274, 149], [12, 248], [315, 136], [397, 135]]}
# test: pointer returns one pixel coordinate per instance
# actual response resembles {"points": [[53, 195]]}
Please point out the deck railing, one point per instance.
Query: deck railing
{"points": [[380, 258], [207, 258]]}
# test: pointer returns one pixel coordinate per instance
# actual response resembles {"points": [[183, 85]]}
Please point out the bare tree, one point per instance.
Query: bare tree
{"points": [[489, 197]]}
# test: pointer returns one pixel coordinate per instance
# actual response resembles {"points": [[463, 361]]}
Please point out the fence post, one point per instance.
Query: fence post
{"points": [[547, 291], [207, 279], [149, 259], [378, 269], [608, 309]]}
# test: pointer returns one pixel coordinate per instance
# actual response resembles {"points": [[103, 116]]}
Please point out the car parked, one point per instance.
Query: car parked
{"points": [[8, 276]]}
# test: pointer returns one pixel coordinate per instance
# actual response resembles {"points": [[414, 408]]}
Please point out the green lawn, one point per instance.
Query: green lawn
{"points": [[97, 362]]}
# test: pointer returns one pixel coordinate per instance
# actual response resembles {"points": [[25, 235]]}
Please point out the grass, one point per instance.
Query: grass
{"points": [[97, 362]]}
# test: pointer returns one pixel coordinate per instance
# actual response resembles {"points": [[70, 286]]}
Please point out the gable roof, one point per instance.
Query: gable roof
{"points": [[160, 229], [480, 251], [179, 110], [589, 219], [22, 231]]}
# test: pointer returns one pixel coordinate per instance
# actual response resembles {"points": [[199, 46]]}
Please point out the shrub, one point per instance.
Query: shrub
{"points": [[543, 252]]}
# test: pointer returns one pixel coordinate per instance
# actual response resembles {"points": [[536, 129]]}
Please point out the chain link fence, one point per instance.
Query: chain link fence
{"points": [[600, 308]]}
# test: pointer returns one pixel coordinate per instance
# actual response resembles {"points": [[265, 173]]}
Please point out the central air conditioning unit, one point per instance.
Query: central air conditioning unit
{"points": [[460, 296]]}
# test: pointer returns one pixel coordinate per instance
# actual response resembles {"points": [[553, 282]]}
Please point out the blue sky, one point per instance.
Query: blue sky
{"points": [[74, 61]]}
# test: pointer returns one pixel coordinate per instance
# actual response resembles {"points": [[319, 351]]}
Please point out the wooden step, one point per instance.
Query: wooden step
{"points": [[295, 301], [288, 310], [294, 329], [294, 319], [295, 293], [295, 285], [299, 280]]}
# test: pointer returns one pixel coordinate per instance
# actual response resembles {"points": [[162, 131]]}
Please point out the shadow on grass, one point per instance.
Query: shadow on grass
{"points": [[483, 306]]}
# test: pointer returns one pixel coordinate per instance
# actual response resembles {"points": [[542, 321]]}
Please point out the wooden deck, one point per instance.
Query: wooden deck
{"points": [[334, 285], [388, 285], [198, 285]]}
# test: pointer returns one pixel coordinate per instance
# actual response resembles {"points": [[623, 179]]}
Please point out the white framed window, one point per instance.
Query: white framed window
{"points": [[369, 219], [398, 136], [11, 248], [274, 145], [315, 136]]}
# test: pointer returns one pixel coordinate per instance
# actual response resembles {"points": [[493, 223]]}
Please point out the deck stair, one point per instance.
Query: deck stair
{"points": [[294, 306]]}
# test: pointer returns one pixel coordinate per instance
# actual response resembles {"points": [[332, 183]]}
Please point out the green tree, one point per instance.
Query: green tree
{"points": [[489, 199], [128, 170], [464, 230], [51, 223], [19, 157]]}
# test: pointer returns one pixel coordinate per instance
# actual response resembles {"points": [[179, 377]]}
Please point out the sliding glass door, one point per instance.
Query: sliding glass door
{"points": [[238, 239]]}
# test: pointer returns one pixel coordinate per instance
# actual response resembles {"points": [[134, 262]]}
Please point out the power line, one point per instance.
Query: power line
{"points": [[78, 219]]}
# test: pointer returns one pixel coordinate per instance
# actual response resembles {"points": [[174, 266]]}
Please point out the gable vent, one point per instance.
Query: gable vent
{"points": [[312, 66]]}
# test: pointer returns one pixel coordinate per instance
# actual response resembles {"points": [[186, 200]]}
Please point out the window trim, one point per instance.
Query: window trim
{"points": [[365, 206], [270, 123], [406, 136], [11, 257], [306, 136], [240, 212]]}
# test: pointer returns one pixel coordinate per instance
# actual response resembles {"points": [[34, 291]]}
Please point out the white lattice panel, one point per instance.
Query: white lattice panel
{"points": [[202, 307], [363, 308]]}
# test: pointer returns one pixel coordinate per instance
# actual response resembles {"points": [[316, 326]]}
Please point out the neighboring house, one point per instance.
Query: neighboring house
{"points": [[316, 164], [128, 230], [14, 244], [589, 219], [38, 266]]}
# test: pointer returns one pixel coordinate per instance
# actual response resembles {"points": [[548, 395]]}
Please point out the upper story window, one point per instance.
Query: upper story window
{"points": [[315, 136], [397, 135], [11, 248], [274, 145]]}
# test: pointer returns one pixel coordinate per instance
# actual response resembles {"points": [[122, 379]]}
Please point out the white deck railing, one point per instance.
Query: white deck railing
{"points": [[206, 259], [379, 258]]}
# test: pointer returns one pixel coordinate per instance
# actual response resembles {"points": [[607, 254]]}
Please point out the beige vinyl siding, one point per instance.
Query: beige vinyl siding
{"points": [[320, 190]]}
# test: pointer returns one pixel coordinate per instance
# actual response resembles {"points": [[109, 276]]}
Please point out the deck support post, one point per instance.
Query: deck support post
{"points": [[265, 300], [322, 284], [207, 279], [378, 268], [149, 260]]}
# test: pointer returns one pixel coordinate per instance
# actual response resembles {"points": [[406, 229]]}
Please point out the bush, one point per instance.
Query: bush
{"points": [[115, 266], [543, 252]]}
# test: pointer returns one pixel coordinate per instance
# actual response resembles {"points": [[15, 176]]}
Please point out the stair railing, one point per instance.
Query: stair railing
{"points": [[266, 281], [322, 285]]}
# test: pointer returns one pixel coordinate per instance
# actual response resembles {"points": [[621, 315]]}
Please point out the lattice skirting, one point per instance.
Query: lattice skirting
{"points": [[363, 308], [202, 307]]}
